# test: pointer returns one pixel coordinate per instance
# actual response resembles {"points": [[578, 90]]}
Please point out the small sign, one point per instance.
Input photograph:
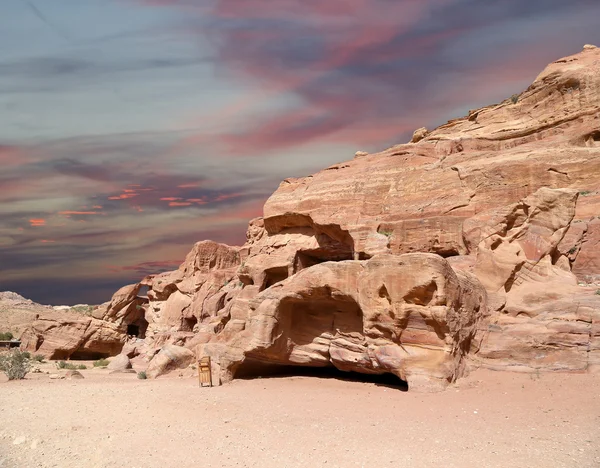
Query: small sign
{"points": [[204, 372]]}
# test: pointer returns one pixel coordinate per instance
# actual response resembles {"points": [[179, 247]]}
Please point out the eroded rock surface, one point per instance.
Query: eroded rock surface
{"points": [[59, 333], [474, 245]]}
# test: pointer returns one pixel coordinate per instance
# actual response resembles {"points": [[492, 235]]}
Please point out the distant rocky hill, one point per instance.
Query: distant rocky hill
{"points": [[477, 244]]}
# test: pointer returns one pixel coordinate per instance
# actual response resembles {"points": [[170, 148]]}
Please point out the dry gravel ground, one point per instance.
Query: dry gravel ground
{"points": [[487, 420]]}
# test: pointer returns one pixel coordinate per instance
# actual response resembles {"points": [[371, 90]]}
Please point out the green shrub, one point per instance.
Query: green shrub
{"points": [[514, 98], [83, 309], [101, 363], [69, 366], [38, 358], [598, 292], [585, 193], [6, 336], [66, 365], [27, 354], [142, 375], [15, 364]]}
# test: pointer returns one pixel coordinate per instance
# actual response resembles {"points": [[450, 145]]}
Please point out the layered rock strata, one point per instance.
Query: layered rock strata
{"points": [[474, 245]]}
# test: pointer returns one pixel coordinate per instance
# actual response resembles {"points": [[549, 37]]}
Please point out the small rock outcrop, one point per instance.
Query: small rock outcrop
{"points": [[119, 363], [169, 358], [59, 333]]}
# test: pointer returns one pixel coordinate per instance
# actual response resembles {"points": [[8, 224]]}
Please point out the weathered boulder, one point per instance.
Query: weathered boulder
{"points": [[119, 363], [169, 358], [74, 375]]}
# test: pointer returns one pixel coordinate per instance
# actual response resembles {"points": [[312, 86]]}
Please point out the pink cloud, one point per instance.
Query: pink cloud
{"points": [[124, 196], [36, 222], [69, 213]]}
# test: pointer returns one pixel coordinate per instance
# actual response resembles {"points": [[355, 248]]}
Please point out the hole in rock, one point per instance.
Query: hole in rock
{"points": [[422, 294], [188, 324], [138, 327], [274, 275], [446, 252], [143, 292], [257, 369], [87, 356]]}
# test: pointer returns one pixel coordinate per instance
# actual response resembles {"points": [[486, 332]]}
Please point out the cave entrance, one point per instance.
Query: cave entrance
{"points": [[188, 324], [253, 369], [314, 329], [138, 328], [274, 275]]}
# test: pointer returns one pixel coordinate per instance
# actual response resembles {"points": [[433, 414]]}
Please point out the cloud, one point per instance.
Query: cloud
{"points": [[369, 72], [69, 213]]}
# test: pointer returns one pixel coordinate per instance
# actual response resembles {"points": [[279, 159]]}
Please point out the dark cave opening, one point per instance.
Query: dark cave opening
{"points": [[188, 323], [87, 356], [274, 275], [253, 369], [138, 328]]}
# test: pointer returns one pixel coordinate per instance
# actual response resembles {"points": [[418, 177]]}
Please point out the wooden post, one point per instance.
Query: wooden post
{"points": [[204, 371]]}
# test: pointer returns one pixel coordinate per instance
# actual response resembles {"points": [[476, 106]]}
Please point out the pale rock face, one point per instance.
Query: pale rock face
{"points": [[419, 134], [169, 358], [119, 363]]}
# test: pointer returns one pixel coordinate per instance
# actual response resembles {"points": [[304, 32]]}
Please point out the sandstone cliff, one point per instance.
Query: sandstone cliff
{"points": [[477, 244]]}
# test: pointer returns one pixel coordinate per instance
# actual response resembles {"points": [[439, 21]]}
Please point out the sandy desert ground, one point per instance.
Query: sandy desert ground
{"points": [[486, 420]]}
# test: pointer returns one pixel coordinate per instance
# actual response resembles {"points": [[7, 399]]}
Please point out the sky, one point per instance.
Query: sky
{"points": [[131, 129]]}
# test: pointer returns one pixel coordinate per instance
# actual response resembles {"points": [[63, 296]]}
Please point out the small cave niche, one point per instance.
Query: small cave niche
{"points": [[422, 294], [251, 369], [138, 328], [593, 139], [446, 252], [188, 324], [274, 275], [330, 250]]}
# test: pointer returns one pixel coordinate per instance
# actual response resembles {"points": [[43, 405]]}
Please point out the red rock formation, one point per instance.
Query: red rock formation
{"points": [[507, 197], [59, 332]]}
